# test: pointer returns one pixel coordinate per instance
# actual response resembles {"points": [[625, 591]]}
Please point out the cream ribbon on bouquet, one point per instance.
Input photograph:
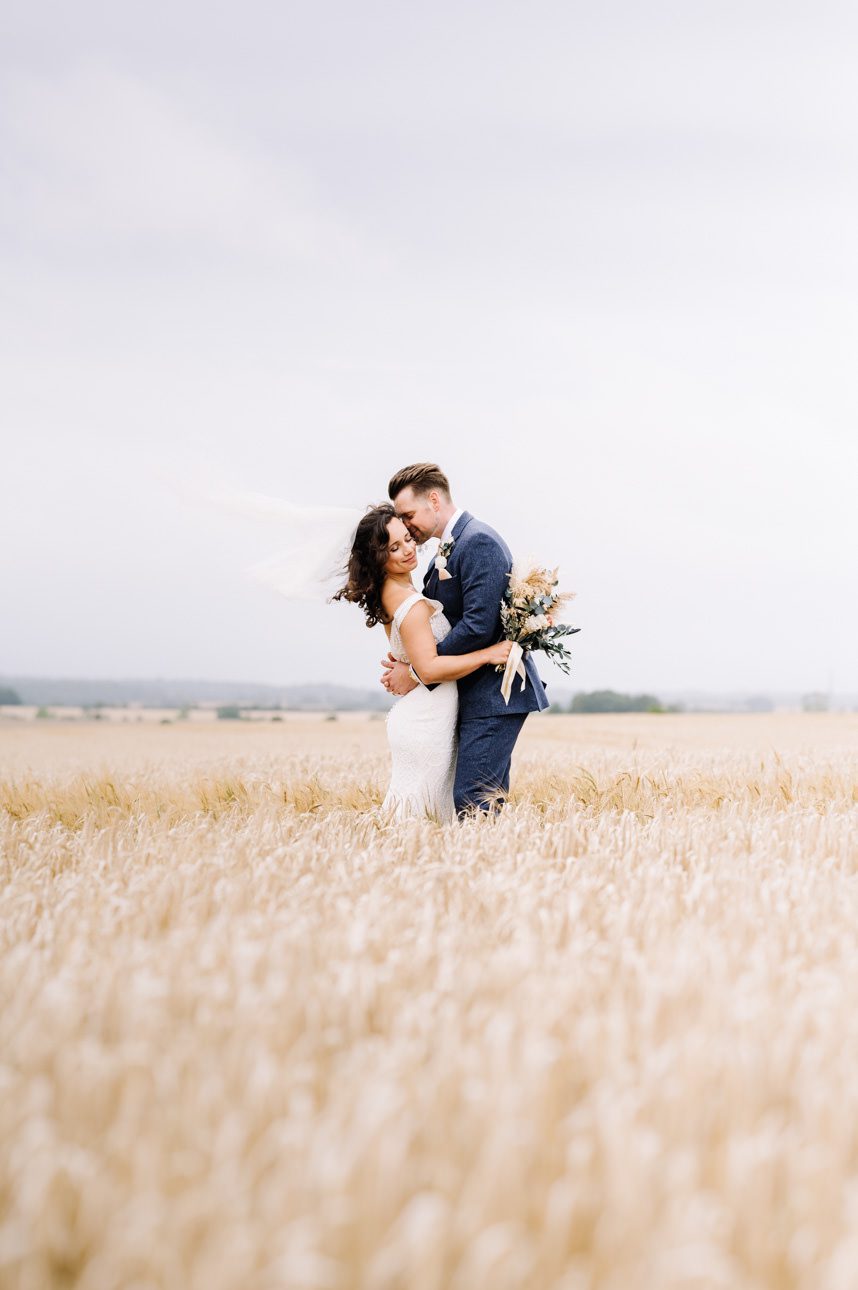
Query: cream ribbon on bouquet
{"points": [[514, 667], [529, 612]]}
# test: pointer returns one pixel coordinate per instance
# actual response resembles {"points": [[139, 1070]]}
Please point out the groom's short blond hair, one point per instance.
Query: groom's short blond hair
{"points": [[422, 477]]}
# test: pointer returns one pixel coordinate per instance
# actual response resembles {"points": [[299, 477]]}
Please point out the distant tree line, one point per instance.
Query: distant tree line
{"points": [[593, 701], [612, 701]]}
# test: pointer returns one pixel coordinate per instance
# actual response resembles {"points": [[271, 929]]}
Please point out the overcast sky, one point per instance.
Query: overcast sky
{"points": [[600, 262]]}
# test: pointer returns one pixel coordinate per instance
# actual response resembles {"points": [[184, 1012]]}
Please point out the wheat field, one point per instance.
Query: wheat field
{"points": [[253, 1037]]}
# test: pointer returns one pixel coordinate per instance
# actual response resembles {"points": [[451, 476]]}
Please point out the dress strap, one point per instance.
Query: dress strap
{"points": [[403, 609]]}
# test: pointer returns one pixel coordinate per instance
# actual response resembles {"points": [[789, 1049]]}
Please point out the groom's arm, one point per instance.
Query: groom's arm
{"points": [[483, 575]]}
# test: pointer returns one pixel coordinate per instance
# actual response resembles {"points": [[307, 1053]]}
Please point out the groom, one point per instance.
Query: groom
{"points": [[469, 577]]}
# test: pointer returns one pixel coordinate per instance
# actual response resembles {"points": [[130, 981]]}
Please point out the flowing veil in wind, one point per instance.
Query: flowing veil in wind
{"points": [[317, 541]]}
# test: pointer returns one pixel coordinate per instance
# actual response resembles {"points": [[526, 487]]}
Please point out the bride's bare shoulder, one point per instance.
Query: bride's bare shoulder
{"points": [[392, 596]]}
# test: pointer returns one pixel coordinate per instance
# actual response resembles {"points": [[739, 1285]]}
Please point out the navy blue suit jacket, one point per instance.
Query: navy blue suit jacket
{"points": [[479, 565]]}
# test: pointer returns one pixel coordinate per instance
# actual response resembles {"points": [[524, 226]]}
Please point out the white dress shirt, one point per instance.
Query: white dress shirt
{"points": [[447, 535]]}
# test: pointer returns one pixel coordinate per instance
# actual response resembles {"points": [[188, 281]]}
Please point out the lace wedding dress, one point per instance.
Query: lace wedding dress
{"points": [[421, 730]]}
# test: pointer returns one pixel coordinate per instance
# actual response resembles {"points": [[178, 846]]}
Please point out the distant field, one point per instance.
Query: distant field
{"points": [[252, 1037]]}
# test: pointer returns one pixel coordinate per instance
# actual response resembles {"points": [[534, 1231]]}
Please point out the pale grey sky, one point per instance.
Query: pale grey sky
{"points": [[599, 261]]}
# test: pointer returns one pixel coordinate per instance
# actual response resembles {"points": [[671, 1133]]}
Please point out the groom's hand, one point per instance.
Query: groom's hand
{"points": [[396, 678]]}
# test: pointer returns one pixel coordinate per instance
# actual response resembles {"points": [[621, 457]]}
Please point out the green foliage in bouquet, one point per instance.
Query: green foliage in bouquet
{"points": [[530, 612]]}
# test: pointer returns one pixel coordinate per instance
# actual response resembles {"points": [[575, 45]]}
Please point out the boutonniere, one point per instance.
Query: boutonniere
{"points": [[442, 557]]}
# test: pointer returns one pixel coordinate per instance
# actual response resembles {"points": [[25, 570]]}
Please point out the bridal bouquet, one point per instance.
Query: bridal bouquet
{"points": [[530, 616]]}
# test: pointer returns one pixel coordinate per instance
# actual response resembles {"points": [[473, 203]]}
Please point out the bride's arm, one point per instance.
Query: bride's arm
{"points": [[429, 665]]}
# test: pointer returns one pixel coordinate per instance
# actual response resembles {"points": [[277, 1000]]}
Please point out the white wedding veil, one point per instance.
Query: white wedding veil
{"points": [[317, 541]]}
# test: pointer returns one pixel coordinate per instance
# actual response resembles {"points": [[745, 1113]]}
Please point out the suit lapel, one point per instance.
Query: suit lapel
{"points": [[461, 524], [431, 581]]}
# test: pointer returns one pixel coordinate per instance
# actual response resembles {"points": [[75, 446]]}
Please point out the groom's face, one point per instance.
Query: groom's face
{"points": [[418, 512]]}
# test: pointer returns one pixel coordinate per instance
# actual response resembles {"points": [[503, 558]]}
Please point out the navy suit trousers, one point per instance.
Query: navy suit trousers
{"points": [[482, 766]]}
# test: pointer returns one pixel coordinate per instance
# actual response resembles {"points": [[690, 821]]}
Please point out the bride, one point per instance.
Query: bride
{"points": [[421, 726]]}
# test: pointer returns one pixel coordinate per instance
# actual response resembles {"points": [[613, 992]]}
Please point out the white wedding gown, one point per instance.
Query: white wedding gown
{"points": [[421, 730]]}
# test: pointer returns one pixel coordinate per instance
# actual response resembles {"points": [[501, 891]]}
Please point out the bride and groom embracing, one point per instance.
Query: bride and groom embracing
{"points": [[451, 733]]}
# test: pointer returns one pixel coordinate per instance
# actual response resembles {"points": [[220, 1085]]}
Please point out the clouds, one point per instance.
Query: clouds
{"points": [[598, 262], [100, 161]]}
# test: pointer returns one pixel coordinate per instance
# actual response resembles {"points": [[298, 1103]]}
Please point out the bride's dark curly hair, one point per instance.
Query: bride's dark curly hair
{"points": [[365, 571]]}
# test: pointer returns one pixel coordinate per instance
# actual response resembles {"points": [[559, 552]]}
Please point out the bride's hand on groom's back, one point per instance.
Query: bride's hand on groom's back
{"points": [[396, 678]]}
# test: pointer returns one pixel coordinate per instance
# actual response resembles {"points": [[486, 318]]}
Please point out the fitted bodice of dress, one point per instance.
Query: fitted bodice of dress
{"points": [[421, 730], [438, 623]]}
